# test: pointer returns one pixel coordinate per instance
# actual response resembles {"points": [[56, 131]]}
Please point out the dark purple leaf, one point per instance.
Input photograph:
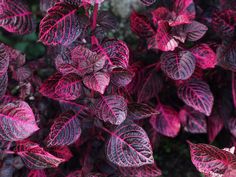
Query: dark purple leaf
{"points": [[129, 146], [121, 77], [234, 88], [107, 21], [4, 59], [3, 84], [77, 173], [22, 73], [232, 126]]}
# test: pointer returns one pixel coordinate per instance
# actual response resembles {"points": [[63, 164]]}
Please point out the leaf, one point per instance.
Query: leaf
{"points": [[178, 65], [129, 146], [60, 25], [209, 159], [116, 52], [3, 84], [197, 94], [166, 122], [17, 121], [97, 81], [234, 88], [137, 111], [62, 152], [15, 17], [35, 157], [205, 56], [65, 129], [36, 173], [148, 2], [140, 26], [77, 173], [161, 13], [193, 121], [224, 22], [4, 59], [22, 73], [87, 61], [107, 21], [143, 171], [183, 12], [69, 87], [121, 77], [46, 4], [93, 1], [112, 108], [231, 125], [162, 40]]}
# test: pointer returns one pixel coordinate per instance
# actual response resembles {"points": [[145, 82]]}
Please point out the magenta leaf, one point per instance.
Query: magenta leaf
{"points": [[3, 84], [69, 87], [22, 73], [161, 13], [121, 77], [65, 129], [211, 160], [205, 56], [183, 12], [193, 121], [137, 111], [4, 59], [116, 52], [17, 120], [178, 65], [62, 152], [166, 122], [140, 26], [162, 40], [224, 22], [87, 61], [112, 108], [143, 171], [148, 2], [197, 94], [15, 17], [97, 81], [129, 146], [60, 25], [37, 173], [35, 157]]}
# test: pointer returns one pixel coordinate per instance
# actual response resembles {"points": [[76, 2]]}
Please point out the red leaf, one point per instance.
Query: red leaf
{"points": [[65, 129], [4, 59], [167, 122], [197, 94], [15, 17], [69, 87], [36, 173], [205, 56], [211, 160], [148, 2], [97, 81], [60, 25], [121, 77], [178, 65], [129, 146], [36, 157], [140, 26], [3, 84], [161, 13], [17, 120], [162, 39], [112, 108]]}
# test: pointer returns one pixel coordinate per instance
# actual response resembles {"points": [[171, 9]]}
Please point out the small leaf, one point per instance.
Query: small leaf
{"points": [[129, 146], [65, 129], [17, 120], [178, 65], [36, 157], [112, 108], [197, 95]]}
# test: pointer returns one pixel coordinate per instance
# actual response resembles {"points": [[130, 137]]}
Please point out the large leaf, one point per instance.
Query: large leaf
{"points": [[178, 65], [211, 160], [35, 157], [129, 146], [166, 122], [205, 56], [61, 25], [97, 81], [197, 95], [112, 108], [65, 129], [15, 17], [3, 84], [17, 121], [137, 111], [69, 87], [4, 59]]}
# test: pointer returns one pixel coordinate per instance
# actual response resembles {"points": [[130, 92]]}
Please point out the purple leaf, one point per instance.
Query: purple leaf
{"points": [[35, 157], [234, 88], [231, 125], [211, 160], [77, 173], [205, 56], [178, 65], [69, 87], [197, 94], [65, 129], [22, 73], [129, 146], [62, 152], [166, 122], [47, 4], [97, 81], [107, 21], [15, 17], [4, 59], [148, 2], [60, 25], [137, 111], [17, 120], [37, 173], [3, 84], [121, 77], [112, 108]]}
